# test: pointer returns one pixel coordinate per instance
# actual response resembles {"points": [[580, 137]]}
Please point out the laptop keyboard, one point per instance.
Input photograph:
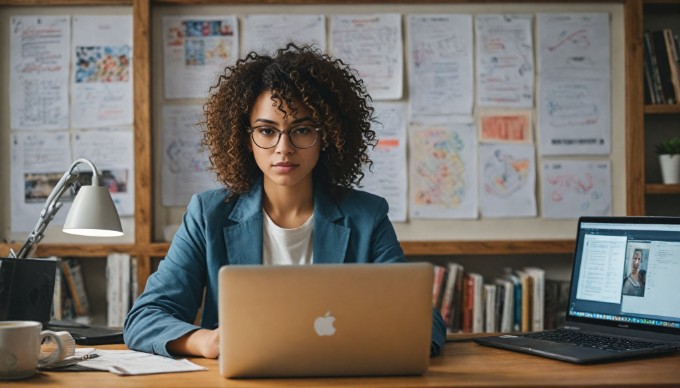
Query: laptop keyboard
{"points": [[615, 344]]}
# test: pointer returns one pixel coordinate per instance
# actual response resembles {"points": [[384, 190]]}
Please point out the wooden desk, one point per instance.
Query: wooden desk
{"points": [[463, 364]]}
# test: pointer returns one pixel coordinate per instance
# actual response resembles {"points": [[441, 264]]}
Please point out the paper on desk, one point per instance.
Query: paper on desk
{"points": [[130, 362]]}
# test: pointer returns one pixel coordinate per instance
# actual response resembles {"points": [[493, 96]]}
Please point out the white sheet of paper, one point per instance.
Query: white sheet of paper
{"points": [[196, 49], [101, 89], [39, 159], [184, 170], [389, 176], [372, 44], [505, 61], [574, 188], [573, 42], [507, 180], [443, 171], [574, 115], [440, 67], [111, 150], [270, 32], [130, 362], [39, 69]]}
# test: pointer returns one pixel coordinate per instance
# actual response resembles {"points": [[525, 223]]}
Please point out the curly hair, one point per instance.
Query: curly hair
{"points": [[330, 89]]}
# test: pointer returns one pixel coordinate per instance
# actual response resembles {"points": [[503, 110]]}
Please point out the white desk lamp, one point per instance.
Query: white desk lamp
{"points": [[92, 212]]}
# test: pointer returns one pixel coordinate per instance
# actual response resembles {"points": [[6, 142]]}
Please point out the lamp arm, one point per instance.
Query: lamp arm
{"points": [[52, 205]]}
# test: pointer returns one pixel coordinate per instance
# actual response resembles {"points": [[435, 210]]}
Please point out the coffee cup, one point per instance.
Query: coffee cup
{"points": [[20, 348]]}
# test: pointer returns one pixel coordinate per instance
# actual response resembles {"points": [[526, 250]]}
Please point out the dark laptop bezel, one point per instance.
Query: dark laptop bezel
{"points": [[570, 319]]}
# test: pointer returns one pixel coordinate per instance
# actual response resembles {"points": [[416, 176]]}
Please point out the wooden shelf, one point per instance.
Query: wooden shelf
{"points": [[660, 188], [662, 109]]}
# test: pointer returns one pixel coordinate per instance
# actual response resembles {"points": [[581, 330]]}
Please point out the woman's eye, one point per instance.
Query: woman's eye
{"points": [[302, 130], [265, 131]]}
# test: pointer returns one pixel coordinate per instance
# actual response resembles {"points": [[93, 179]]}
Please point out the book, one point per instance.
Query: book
{"points": [[663, 65], [73, 275], [490, 308], [651, 60], [526, 300], [537, 296], [468, 303], [507, 318], [477, 303], [117, 288], [673, 65], [453, 270], [437, 286]]}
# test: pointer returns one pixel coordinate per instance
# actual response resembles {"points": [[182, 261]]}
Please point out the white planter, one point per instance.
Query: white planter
{"points": [[670, 168]]}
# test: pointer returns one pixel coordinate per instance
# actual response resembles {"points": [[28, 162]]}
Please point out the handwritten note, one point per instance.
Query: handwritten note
{"points": [[39, 70], [373, 45], [388, 176], [505, 61], [440, 67], [184, 171], [270, 32]]}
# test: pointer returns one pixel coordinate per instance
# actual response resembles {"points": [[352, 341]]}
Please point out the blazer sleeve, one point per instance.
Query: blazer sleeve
{"points": [[169, 304]]}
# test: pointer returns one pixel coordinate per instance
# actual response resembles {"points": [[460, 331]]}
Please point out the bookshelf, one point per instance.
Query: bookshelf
{"points": [[145, 227], [657, 122]]}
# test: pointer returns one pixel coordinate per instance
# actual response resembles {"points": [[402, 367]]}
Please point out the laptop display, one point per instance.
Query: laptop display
{"points": [[325, 320], [624, 294], [606, 291]]}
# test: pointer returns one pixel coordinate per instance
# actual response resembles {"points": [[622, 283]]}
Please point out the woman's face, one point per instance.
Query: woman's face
{"points": [[283, 164]]}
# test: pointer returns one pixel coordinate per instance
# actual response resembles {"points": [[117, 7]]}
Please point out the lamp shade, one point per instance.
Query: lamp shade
{"points": [[93, 214]]}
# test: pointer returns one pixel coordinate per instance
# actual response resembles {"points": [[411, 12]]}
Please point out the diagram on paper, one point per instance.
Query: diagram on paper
{"points": [[507, 180], [576, 188], [443, 167]]}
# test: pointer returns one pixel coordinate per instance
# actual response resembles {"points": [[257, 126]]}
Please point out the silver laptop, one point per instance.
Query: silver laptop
{"points": [[624, 298], [325, 320]]}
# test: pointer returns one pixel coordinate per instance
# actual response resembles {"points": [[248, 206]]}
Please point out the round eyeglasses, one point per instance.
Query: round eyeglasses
{"points": [[301, 136]]}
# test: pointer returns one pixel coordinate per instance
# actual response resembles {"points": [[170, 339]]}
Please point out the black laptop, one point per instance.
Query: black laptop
{"points": [[625, 294]]}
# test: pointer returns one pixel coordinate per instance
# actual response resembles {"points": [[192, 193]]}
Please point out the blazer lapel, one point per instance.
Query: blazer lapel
{"points": [[330, 239], [243, 238]]}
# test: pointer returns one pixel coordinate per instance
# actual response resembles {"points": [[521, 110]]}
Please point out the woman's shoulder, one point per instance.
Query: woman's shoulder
{"points": [[211, 199]]}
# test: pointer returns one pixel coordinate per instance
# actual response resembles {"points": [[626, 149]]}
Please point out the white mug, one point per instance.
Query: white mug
{"points": [[20, 353]]}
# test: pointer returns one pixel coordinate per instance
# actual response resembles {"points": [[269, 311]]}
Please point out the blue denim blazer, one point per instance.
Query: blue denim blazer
{"points": [[216, 233]]}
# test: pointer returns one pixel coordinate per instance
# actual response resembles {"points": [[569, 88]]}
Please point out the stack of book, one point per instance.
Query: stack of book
{"points": [[518, 301], [71, 302], [661, 66]]}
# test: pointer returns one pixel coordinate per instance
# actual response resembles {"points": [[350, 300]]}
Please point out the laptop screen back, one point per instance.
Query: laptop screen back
{"points": [[626, 273]]}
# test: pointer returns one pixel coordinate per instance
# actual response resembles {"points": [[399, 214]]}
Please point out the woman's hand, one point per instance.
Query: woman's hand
{"points": [[201, 342]]}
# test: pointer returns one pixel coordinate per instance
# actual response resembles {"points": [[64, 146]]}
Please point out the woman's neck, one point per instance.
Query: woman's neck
{"points": [[289, 206]]}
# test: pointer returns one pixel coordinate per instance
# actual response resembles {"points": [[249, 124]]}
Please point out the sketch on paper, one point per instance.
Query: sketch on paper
{"points": [[443, 170], [507, 180], [574, 188]]}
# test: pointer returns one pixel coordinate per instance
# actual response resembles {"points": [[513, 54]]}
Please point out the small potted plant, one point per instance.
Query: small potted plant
{"points": [[669, 159]]}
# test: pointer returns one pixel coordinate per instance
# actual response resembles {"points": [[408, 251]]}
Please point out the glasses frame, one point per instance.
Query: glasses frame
{"points": [[251, 131]]}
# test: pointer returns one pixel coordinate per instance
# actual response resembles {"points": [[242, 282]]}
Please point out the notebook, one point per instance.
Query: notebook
{"points": [[630, 313], [325, 320]]}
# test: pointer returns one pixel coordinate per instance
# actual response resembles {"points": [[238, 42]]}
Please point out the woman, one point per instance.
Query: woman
{"points": [[287, 136]]}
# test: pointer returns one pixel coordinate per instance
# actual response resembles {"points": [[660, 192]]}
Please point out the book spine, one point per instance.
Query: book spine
{"points": [[672, 60], [663, 64], [653, 67]]}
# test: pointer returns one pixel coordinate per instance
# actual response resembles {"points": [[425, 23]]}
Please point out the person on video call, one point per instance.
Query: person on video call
{"points": [[634, 283], [288, 136]]}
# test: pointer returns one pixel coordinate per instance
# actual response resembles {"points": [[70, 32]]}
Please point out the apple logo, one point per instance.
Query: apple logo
{"points": [[324, 325]]}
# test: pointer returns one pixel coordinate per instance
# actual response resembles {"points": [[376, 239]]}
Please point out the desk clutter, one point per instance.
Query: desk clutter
{"points": [[519, 300]]}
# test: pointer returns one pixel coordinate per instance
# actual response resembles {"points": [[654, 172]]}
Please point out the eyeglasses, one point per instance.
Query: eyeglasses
{"points": [[301, 136]]}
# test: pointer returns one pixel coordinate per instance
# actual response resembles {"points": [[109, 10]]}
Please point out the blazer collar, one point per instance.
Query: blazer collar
{"points": [[243, 237]]}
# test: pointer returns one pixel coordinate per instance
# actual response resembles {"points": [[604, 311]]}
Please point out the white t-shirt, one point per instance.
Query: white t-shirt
{"points": [[286, 246]]}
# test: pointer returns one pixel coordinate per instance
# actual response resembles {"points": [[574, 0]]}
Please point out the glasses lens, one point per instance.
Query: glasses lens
{"points": [[265, 137], [303, 136]]}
